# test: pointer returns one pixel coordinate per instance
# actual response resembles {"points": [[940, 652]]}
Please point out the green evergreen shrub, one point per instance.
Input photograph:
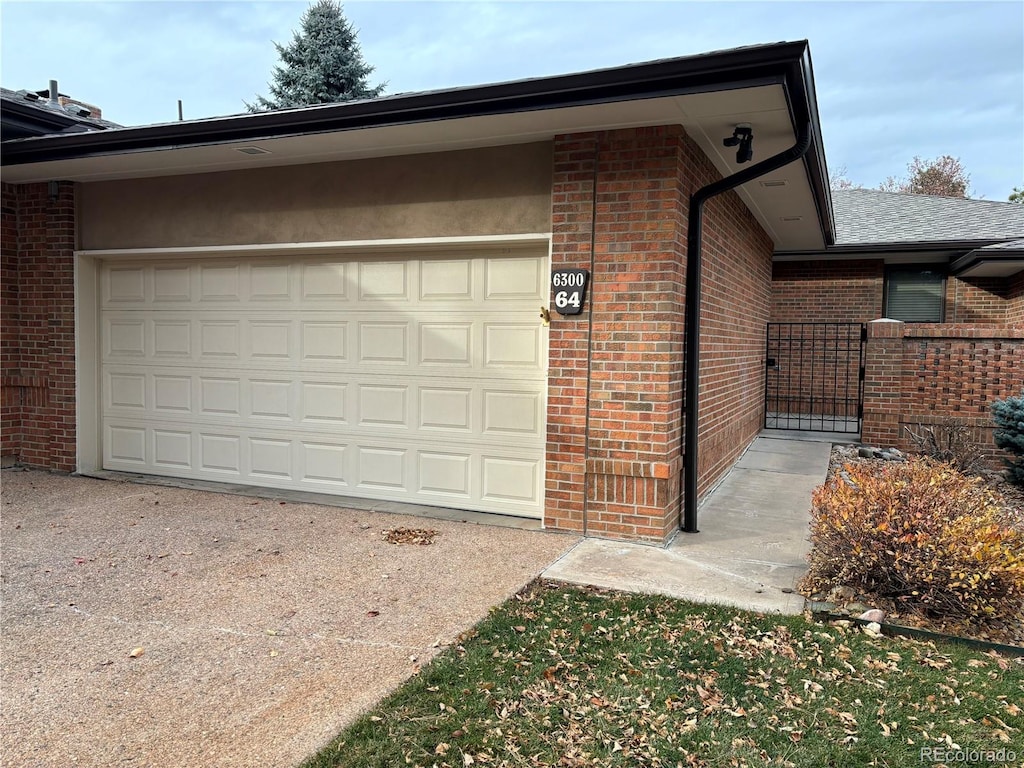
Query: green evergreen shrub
{"points": [[1009, 435]]}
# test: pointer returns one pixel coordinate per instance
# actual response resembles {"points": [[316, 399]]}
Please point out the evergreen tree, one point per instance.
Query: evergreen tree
{"points": [[323, 64], [1009, 435]]}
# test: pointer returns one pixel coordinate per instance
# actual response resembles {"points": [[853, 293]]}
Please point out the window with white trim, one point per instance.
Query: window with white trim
{"points": [[915, 294]]}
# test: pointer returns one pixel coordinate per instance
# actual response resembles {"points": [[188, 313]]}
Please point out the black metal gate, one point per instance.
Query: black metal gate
{"points": [[814, 377]]}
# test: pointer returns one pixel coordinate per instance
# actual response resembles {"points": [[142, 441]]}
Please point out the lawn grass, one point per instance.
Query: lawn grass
{"points": [[560, 676]]}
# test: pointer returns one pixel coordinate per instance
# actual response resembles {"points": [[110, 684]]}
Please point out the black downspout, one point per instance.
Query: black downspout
{"points": [[693, 259]]}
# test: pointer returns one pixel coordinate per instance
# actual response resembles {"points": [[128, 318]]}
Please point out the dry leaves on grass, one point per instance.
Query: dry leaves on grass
{"points": [[402, 535], [569, 678]]}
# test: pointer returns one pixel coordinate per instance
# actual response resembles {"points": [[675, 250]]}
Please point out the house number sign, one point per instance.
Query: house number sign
{"points": [[569, 287]]}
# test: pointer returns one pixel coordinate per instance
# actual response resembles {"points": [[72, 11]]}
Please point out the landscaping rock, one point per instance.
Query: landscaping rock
{"points": [[872, 630], [873, 615], [857, 608], [866, 453]]}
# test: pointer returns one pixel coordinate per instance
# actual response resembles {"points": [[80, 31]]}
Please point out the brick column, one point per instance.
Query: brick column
{"points": [[39, 325], [883, 381], [615, 454]]}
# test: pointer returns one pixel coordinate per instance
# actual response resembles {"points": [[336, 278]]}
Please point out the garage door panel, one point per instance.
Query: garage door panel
{"points": [[512, 346], [271, 341], [457, 409], [172, 284], [509, 479], [220, 339], [381, 467], [505, 479], [384, 281], [508, 412], [446, 281], [326, 281], [515, 280], [445, 474], [324, 402], [126, 390], [172, 449], [172, 394], [272, 399], [220, 453], [125, 285], [126, 445], [399, 379], [270, 283], [448, 409], [172, 339], [383, 343], [124, 338]]}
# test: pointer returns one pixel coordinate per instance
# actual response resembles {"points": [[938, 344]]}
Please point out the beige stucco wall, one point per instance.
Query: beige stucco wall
{"points": [[497, 190]]}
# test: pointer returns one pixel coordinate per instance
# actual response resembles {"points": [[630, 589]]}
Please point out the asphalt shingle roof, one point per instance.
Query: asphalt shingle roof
{"points": [[46, 106], [871, 216]]}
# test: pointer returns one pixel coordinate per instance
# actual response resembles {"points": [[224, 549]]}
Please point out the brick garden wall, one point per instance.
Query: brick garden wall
{"points": [[38, 354], [922, 373], [613, 455], [852, 291]]}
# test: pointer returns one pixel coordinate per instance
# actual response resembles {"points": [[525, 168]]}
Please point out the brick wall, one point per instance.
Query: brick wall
{"points": [[613, 442], [852, 292], [736, 280], [1015, 300], [827, 291], [976, 300], [922, 373], [38, 355], [10, 331], [619, 206]]}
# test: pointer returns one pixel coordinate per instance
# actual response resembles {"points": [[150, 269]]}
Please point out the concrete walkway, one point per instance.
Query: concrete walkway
{"points": [[752, 544]]}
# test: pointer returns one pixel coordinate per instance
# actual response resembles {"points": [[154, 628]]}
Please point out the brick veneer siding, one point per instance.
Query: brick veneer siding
{"points": [[852, 292], [923, 373], [619, 206], [735, 308], [976, 300], [827, 291], [1015, 300], [38, 355]]}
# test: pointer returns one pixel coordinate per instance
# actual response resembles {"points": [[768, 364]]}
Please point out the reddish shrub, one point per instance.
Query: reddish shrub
{"points": [[920, 532]]}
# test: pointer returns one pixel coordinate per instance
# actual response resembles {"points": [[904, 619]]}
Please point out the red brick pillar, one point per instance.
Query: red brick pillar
{"points": [[613, 406], [883, 377], [39, 325]]}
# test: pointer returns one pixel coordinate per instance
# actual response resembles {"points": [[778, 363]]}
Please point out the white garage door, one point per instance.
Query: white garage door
{"points": [[408, 379]]}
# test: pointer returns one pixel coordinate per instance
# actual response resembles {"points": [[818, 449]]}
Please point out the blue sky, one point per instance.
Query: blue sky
{"points": [[894, 79]]}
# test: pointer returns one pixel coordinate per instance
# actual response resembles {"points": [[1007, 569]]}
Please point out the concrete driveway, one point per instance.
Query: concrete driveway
{"points": [[265, 626]]}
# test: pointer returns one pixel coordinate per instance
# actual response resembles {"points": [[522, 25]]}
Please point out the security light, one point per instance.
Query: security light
{"points": [[743, 139]]}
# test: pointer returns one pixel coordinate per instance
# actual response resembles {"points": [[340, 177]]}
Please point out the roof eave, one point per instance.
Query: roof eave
{"points": [[785, 63]]}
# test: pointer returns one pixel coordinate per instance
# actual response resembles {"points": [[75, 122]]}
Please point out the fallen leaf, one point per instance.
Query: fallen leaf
{"points": [[372, 614], [136, 652]]}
